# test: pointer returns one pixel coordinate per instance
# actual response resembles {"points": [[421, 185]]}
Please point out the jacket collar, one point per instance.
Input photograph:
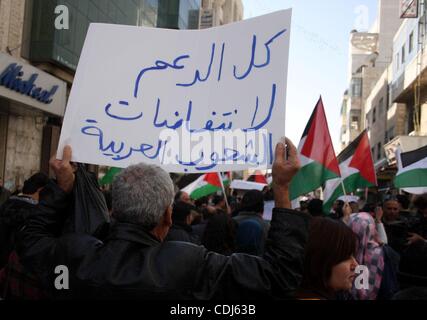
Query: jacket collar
{"points": [[181, 225], [133, 233]]}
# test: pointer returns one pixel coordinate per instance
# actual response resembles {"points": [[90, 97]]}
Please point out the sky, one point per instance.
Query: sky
{"points": [[319, 55]]}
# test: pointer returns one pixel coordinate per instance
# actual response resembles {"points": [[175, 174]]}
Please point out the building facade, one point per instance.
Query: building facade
{"points": [[408, 86], [38, 62], [216, 13], [369, 56], [389, 87]]}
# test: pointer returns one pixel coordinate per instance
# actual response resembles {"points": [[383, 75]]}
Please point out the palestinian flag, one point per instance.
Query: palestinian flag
{"points": [[316, 154], [109, 176], [205, 185], [258, 177], [357, 171], [412, 173]]}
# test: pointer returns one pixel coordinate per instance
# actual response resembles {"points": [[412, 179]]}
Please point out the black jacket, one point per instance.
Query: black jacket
{"points": [[13, 213], [182, 232], [132, 264]]}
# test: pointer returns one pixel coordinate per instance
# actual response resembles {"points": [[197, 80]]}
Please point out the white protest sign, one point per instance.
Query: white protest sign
{"points": [[190, 101]]}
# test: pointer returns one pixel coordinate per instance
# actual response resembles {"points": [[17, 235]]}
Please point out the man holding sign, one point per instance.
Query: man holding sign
{"points": [[189, 101], [135, 263]]}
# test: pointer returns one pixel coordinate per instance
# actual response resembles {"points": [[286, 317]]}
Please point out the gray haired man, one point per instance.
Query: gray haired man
{"points": [[133, 262]]}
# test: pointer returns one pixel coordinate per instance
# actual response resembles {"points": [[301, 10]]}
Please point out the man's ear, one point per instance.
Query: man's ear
{"points": [[167, 217]]}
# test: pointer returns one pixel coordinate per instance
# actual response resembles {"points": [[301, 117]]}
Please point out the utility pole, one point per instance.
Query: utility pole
{"points": [[417, 86]]}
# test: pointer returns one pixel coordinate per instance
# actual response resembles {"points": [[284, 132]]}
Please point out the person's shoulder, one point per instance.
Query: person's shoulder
{"points": [[76, 244], [285, 213], [16, 208], [180, 250]]}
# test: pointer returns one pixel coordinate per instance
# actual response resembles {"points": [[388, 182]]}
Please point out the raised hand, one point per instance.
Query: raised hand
{"points": [[284, 170], [64, 170]]}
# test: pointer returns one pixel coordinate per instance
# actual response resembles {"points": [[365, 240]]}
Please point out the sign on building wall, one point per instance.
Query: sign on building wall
{"points": [[408, 9], [28, 85], [206, 18], [190, 101]]}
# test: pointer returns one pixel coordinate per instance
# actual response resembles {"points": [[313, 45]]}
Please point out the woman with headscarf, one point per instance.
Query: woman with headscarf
{"points": [[380, 259]]}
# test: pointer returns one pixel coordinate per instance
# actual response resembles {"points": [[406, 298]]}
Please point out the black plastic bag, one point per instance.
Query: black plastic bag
{"points": [[89, 213]]}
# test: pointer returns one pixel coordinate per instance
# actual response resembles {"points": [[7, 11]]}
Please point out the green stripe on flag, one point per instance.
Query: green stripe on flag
{"points": [[204, 191], [327, 205], [351, 184], [411, 178], [309, 178]]}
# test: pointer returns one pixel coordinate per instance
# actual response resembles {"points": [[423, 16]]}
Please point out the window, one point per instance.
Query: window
{"points": [[374, 115], [373, 152], [381, 106], [355, 123], [390, 134], [411, 42], [379, 153], [356, 87], [403, 54], [390, 94], [397, 61]]}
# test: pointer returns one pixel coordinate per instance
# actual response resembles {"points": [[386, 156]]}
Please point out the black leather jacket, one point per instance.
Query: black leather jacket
{"points": [[132, 264], [13, 214]]}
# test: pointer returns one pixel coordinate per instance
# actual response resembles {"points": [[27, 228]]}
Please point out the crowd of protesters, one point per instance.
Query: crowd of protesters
{"points": [[161, 244]]}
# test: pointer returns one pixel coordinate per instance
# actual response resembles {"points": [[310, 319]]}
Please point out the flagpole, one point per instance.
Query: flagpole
{"points": [[223, 190], [343, 188]]}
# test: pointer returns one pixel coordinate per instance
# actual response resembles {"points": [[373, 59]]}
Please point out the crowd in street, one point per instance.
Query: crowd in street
{"points": [[159, 244]]}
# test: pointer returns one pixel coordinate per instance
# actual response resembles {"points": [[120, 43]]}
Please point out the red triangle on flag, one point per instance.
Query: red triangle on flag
{"points": [[213, 179], [318, 144], [260, 178], [362, 160]]}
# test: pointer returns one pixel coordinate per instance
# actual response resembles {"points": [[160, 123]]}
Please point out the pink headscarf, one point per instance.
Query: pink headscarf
{"points": [[370, 253]]}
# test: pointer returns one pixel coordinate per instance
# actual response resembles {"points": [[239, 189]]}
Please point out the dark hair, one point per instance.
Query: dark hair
{"points": [[403, 200], [421, 201], [202, 201], [37, 181], [330, 243], [177, 197], [208, 212], [369, 208], [315, 207], [390, 197], [220, 234], [339, 211], [217, 199], [253, 201], [181, 210]]}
